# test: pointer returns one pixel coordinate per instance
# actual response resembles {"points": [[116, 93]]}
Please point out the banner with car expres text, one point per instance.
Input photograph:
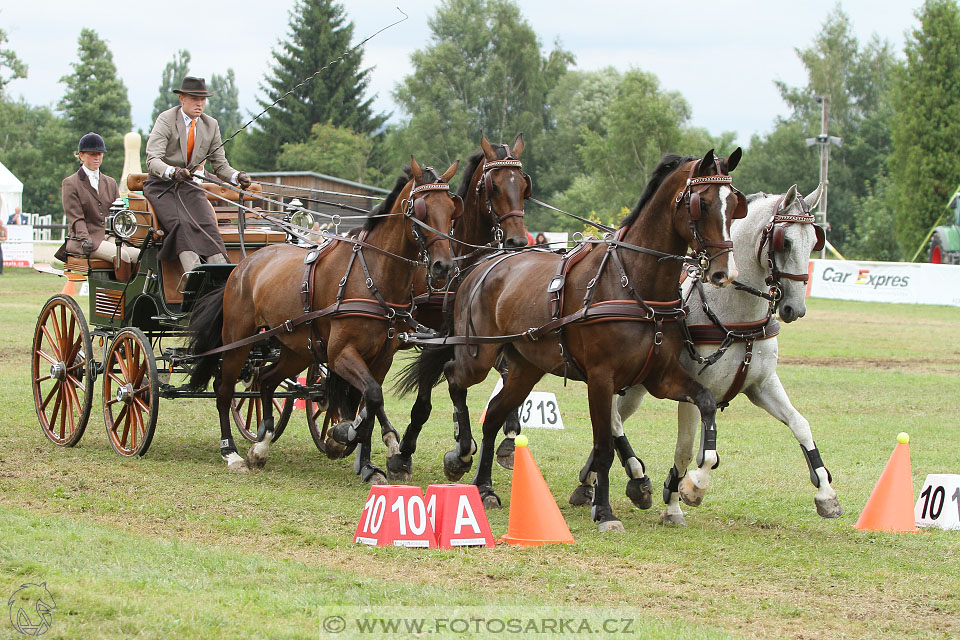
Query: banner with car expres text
{"points": [[906, 282]]}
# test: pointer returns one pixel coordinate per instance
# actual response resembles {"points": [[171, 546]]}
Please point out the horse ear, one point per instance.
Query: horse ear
{"points": [[814, 198], [415, 169], [518, 145], [790, 197], [488, 151], [733, 159], [452, 171], [705, 165]]}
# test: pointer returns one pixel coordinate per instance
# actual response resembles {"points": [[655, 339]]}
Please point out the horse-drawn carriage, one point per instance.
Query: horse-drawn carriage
{"points": [[137, 322]]}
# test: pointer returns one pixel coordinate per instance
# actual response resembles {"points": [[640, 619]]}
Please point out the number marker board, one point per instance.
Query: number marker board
{"points": [[540, 410], [939, 503]]}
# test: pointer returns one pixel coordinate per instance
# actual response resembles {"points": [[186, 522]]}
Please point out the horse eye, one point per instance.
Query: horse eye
{"points": [[494, 188]]}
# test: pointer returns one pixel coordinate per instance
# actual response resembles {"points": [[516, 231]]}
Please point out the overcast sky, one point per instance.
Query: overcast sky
{"points": [[722, 56]]}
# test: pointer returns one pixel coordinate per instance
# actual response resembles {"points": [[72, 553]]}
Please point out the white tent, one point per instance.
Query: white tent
{"points": [[11, 193]]}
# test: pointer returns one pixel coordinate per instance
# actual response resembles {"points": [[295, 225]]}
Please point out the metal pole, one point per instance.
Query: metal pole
{"points": [[824, 166]]}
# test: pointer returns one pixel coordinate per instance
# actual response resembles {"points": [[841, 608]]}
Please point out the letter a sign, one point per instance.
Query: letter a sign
{"points": [[457, 515]]}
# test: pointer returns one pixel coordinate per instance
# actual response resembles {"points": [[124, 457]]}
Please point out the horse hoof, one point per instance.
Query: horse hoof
{"points": [[257, 455], [491, 501], [690, 493], [582, 496], [400, 468], [341, 432], [372, 475], [392, 444], [235, 463], [335, 450], [454, 467], [505, 453], [640, 492], [829, 508], [673, 519], [610, 525]]}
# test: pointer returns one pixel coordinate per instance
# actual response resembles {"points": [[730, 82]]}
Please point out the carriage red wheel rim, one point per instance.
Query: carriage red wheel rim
{"points": [[244, 410], [60, 371], [129, 390], [936, 254]]}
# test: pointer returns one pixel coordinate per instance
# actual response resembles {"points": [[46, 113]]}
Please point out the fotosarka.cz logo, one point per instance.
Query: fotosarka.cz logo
{"points": [[31, 609]]}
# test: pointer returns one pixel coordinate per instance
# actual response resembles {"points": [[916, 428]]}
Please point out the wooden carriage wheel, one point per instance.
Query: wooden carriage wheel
{"points": [[130, 392], [62, 371], [248, 412]]}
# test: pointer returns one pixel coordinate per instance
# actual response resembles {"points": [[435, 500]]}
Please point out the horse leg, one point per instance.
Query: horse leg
{"points": [[682, 456], [520, 381], [224, 386], [771, 397], [511, 429], [600, 395], [352, 368], [289, 364], [678, 385], [400, 466], [639, 487]]}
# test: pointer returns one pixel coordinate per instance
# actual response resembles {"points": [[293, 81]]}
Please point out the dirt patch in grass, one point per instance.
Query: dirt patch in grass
{"points": [[945, 365]]}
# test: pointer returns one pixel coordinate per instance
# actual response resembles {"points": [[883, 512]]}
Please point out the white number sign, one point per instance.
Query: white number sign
{"points": [[939, 503]]}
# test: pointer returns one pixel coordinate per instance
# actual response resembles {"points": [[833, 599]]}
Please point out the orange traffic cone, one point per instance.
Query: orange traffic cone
{"points": [[535, 518], [890, 507], [69, 289]]}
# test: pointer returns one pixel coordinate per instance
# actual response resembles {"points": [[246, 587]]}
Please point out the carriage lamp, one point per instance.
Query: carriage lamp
{"points": [[303, 219], [122, 224]]}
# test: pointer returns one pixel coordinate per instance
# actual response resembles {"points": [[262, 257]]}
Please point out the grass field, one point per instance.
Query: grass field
{"points": [[174, 546]]}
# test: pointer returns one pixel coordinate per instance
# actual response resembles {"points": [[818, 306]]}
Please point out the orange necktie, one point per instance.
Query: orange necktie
{"points": [[191, 135]]}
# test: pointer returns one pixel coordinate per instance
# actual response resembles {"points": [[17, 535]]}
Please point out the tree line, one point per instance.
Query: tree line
{"points": [[592, 137]]}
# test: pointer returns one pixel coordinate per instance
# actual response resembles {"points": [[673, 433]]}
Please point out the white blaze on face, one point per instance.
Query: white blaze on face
{"points": [[726, 192]]}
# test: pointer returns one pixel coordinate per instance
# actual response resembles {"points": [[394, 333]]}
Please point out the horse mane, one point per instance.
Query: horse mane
{"points": [[755, 196], [668, 164], [466, 181], [388, 202]]}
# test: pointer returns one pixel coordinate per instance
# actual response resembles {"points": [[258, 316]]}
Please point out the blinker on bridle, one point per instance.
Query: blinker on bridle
{"points": [[691, 192], [415, 207]]}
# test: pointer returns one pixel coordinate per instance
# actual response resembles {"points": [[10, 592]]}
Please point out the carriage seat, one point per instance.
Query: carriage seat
{"points": [[82, 264]]}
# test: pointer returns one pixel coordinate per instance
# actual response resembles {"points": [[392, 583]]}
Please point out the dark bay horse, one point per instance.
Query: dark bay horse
{"points": [[493, 189], [359, 290], [606, 313]]}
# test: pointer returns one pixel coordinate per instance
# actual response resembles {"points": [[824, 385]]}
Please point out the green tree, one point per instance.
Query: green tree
{"points": [[37, 146], [319, 34], [335, 151], [173, 74], [925, 165], [857, 81], [96, 99], [224, 105], [874, 218], [13, 66], [483, 72]]}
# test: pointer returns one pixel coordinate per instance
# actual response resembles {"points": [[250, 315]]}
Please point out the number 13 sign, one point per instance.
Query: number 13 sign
{"points": [[939, 503], [540, 410]]}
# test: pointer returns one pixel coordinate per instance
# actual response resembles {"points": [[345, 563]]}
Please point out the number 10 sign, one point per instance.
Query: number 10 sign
{"points": [[540, 410], [939, 503]]}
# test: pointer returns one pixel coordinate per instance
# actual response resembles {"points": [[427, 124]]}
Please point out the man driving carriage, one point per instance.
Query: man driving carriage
{"points": [[179, 144]]}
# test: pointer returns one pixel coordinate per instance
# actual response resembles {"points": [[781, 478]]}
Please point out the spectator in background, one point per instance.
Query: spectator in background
{"points": [[3, 238], [18, 217], [541, 240]]}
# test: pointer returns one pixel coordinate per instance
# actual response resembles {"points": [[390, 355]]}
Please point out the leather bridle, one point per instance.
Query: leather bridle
{"points": [[691, 192], [773, 237], [486, 182]]}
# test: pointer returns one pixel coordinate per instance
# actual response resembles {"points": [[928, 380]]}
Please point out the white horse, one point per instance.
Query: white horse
{"points": [[772, 247]]}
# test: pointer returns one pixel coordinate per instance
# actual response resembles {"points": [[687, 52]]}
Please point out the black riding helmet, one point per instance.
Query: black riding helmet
{"points": [[91, 143]]}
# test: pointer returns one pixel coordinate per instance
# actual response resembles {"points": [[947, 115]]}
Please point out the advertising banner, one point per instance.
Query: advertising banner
{"points": [[18, 249], [903, 282]]}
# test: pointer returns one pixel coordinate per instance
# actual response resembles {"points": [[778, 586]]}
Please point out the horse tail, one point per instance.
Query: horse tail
{"points": [[342, 398], [426, 368], [206, 332]]}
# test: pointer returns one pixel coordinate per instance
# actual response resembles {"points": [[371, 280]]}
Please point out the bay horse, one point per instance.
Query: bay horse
{"points": [[493, 190], [359, 291], [605, 313], [772, 247]]}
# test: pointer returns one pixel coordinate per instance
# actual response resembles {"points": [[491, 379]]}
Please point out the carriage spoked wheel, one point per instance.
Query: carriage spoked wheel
{"points": [[315, 410], [62, 371], [248, 412], [130, 392]]}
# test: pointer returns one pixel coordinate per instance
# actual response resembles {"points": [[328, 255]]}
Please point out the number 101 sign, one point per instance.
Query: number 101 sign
{"points": [[939, 503]]}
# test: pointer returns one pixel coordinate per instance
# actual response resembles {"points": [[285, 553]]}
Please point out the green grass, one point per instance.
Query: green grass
{"points": [[174, 546]]}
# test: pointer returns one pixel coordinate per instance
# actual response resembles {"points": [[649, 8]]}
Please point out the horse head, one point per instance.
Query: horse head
{"points": [[706, 205], [432, 209], [785, 243], [504, 186]]}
